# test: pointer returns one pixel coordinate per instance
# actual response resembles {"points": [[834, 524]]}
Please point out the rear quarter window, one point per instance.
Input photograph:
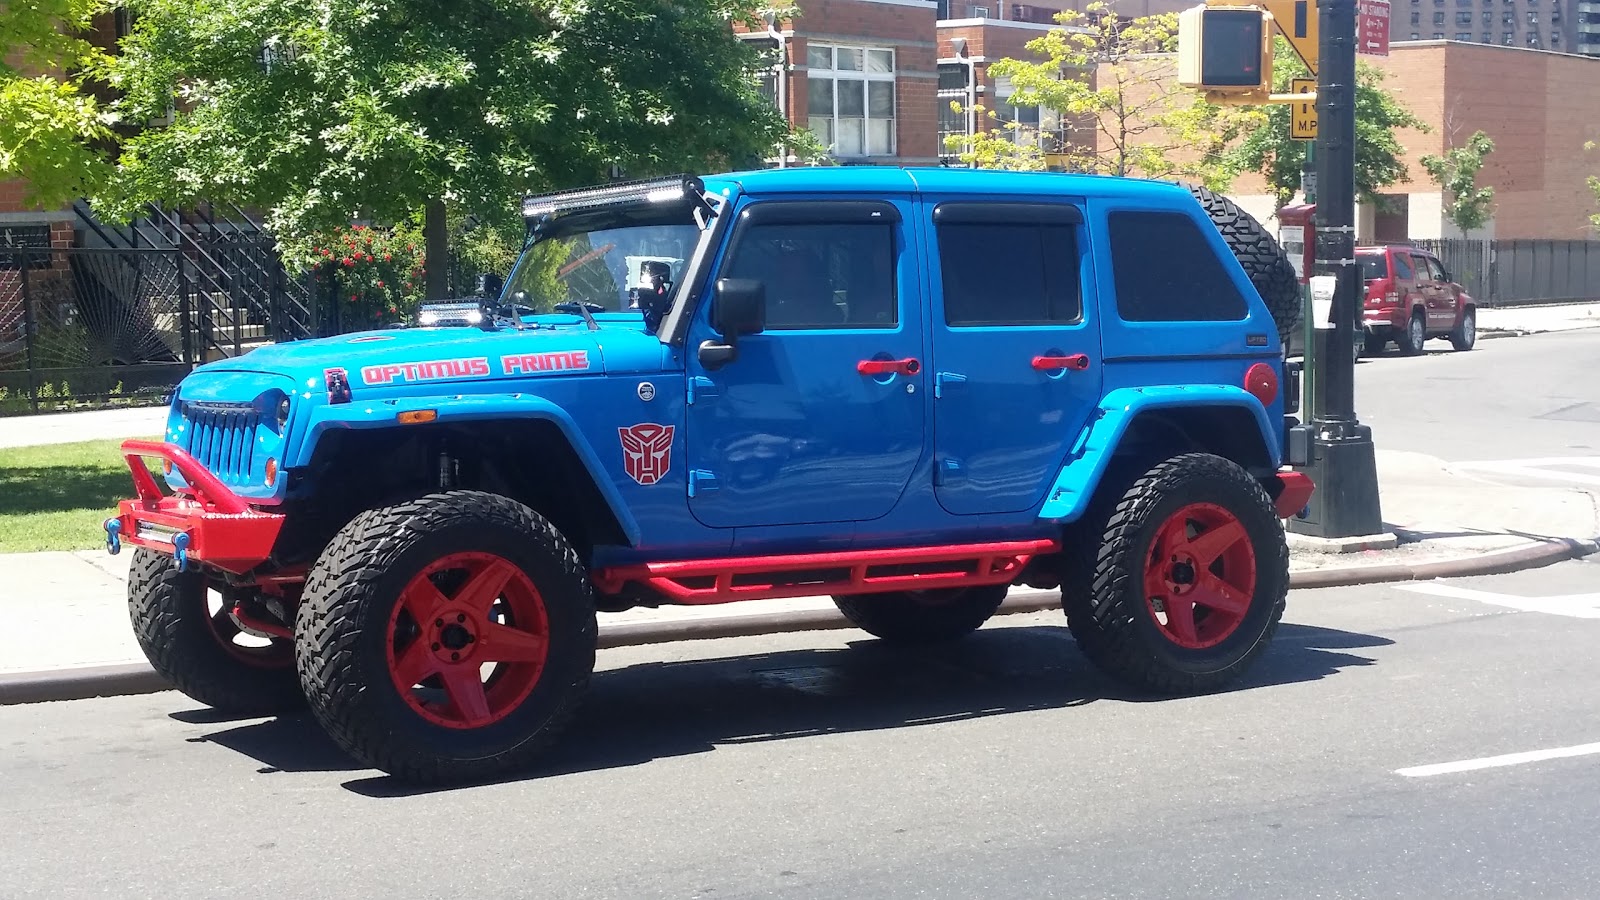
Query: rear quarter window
{"points": [[1165, 270], [1374, 265]]}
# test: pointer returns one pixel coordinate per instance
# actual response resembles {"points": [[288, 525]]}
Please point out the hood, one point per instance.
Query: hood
{"points": [[401, 356]]}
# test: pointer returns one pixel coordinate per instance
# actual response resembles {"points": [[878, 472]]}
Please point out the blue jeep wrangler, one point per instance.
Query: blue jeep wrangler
{"points": [[905, 389]]}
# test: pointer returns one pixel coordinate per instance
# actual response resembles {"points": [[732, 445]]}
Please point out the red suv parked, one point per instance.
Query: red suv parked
{"points": [[1411, 298]]}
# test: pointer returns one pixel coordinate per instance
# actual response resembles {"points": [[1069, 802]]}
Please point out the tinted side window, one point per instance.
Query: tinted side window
{"points": [[1009, 274], [1402, 266], [820, 275], [1436, 271], [1166, 271]]}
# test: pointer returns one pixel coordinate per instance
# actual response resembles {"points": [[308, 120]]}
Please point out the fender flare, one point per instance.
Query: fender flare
{"points": [[468, 408], [1090, 455]]}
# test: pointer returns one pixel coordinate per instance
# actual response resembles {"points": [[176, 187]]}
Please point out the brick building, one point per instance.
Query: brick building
{"points": [[1570, 26], [1537, 106], [861, 75]]}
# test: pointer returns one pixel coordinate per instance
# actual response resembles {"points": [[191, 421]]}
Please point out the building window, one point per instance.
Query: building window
{"points": [[1488, 38], [952, 99], [850, 98], [16, 242], [1416, 18], [1438, 35], [1463, 36], [1488, 17], [1533, 18], [1164, 270], [1041, 273], [1039, 127], [1509, 38], [1416, 35], [767, 79], [1509, 19], [1533, 39], [1464, 18], [1438, 18]]}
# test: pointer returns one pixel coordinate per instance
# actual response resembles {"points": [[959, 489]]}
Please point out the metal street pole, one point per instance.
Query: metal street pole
{"points": [[1343, 460]]}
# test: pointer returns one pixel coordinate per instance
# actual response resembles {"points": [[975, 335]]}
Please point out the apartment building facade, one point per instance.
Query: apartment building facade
{"points": [[1561, 26]]}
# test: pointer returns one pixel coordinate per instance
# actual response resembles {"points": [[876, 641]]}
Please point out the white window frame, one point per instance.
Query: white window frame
{"points": [[827, 126], [1050, 124]]}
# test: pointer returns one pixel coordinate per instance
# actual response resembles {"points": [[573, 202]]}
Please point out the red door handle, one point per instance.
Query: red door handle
{"points": [[1076, 362], [888, 367]]}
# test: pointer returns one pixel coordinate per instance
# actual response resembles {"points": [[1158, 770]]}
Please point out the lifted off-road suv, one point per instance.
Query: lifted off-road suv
{"points": [[906, 389]]}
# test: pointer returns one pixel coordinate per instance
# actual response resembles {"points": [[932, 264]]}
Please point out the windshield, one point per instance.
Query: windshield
{"points": [[610, 263], [1374, 265]]}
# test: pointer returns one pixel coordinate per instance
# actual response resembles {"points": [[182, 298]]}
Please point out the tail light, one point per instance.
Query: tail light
{"points": [[1261, 381]]}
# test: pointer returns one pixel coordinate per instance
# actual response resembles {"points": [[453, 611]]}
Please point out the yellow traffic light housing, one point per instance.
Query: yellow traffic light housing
{"points": [[1226, 52]]}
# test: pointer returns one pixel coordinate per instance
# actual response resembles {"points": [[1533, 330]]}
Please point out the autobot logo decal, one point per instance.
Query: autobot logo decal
{"points": [[646, 451], [434, 370], [559, 361]]}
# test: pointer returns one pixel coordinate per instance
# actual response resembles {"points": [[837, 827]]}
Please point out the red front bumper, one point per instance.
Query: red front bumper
{"points": [[218, 527]]}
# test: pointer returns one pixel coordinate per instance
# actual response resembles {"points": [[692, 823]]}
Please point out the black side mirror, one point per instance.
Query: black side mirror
{"points": [[489, 285], [738, 308]]}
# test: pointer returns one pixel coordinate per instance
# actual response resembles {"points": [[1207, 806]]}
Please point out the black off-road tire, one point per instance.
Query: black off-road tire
{"points": [[923, 617], [172, 622], [343, 630], [1103, 582], [1263, 260]]}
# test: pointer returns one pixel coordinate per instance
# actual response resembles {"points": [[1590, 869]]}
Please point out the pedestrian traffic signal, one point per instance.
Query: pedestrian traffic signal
{"points": [[1226, 51]]}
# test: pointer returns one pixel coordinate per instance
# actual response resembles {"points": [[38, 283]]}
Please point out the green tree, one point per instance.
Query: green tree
{"points": [[321, 111], [1268, 149], [1467, 205], [53, 130], [1113, 81], [1593, 181]]}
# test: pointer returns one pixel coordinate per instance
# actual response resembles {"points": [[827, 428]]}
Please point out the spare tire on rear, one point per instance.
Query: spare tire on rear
{"points": [[1264, 261]]}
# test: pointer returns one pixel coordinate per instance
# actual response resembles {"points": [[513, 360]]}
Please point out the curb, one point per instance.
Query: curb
{"points": [[138, 678]]}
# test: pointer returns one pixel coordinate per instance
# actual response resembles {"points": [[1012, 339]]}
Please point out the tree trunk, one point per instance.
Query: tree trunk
{"points": [[436, 238]]}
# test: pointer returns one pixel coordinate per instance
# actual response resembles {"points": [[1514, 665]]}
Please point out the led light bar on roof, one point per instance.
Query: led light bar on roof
{"points": [[654, 190]]}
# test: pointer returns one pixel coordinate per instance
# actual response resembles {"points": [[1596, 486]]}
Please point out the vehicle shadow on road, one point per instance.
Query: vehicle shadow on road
{"points": [[659, 710]]}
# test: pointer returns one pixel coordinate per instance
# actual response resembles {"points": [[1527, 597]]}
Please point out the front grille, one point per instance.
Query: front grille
{"points": [[222, 436]]}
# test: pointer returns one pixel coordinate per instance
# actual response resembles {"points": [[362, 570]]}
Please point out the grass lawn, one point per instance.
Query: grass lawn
{"points": [[54, 497]]}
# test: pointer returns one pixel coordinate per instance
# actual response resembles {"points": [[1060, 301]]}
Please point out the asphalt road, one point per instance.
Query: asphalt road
{"points": [[1509, 398], [824, 765]]}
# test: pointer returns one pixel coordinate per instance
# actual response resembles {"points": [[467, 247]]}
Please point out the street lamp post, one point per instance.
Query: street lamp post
{"points": [[1343, 459]]}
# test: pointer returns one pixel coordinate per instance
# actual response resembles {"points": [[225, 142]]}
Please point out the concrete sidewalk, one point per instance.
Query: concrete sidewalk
{"points": [[68, 611], [1516, 321]]}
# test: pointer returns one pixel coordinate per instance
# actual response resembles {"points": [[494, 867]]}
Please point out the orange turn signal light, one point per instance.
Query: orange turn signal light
{"points": [[272, 471], [418, 416]]}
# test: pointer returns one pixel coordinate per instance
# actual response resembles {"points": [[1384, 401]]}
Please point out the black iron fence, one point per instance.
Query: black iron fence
{"points": [[1512, 273], [92, 327]]}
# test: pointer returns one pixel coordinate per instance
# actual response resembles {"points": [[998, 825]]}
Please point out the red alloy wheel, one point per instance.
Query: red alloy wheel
{"points": [[1200, 576], [461, 614], [276, 653]]}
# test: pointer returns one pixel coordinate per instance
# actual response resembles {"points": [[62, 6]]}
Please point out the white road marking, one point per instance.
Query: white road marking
{"points": [[1492, 762], [1537, 468], [1576, 606]]}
